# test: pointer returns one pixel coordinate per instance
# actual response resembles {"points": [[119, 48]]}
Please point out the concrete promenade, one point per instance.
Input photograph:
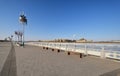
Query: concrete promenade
{"points": [[8, 67], [35, 61], [4, 51]]}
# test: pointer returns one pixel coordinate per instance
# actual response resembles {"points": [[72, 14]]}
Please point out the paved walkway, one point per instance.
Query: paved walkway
{"points": [[34, 61], [4, 51], [9, 66]]}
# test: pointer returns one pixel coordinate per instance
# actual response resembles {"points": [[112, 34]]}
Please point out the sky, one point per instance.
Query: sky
{"points": [[97, 20]]}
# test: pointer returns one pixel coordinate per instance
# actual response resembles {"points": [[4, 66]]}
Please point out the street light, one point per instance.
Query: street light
{"points": [[23, 20]]}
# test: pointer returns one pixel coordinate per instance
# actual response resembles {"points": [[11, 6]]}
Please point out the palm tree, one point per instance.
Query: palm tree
{"points": [[16, 33], [20, 34], [23, 19]]}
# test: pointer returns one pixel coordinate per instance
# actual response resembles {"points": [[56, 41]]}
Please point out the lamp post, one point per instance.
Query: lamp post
{"points": [[74, 42], [23, 21]]}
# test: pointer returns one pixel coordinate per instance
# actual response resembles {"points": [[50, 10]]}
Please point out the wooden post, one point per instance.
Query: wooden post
{"points": [[52, 49], [58, 50], [68, 53], [46, 48], [80, 55]]}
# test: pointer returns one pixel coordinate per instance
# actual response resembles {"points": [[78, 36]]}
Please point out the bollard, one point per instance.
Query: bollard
{"points": [[80, 55], [43, 47], [46, 48], [52, 49], [68, 53], [58, 50]]}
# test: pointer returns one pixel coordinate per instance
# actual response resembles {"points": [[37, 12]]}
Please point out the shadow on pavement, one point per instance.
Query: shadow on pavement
{"points": [[9, 67]]}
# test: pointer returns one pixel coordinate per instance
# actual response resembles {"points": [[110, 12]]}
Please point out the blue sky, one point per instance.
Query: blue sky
{"points": [[53, 19]]}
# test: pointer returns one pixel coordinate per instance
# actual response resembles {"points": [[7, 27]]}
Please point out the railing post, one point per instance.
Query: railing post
{"points": [[66, 46], [60, 46], [86, 49], [103, 53], [58, 49], [75, 47], [55, 45], [115, 54], [47, 44]]}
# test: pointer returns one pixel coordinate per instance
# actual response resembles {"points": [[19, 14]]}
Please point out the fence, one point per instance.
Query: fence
{"points": [[101, 50]]}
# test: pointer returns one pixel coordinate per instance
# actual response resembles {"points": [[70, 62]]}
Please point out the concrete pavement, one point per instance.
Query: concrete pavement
{"points": [[9, 66], [4, 51], [35, 61]]}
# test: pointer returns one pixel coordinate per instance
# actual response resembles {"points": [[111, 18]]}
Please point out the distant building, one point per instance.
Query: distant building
{"points": [[63, 40], [115, 40], [83, 40], [66, 40]]}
